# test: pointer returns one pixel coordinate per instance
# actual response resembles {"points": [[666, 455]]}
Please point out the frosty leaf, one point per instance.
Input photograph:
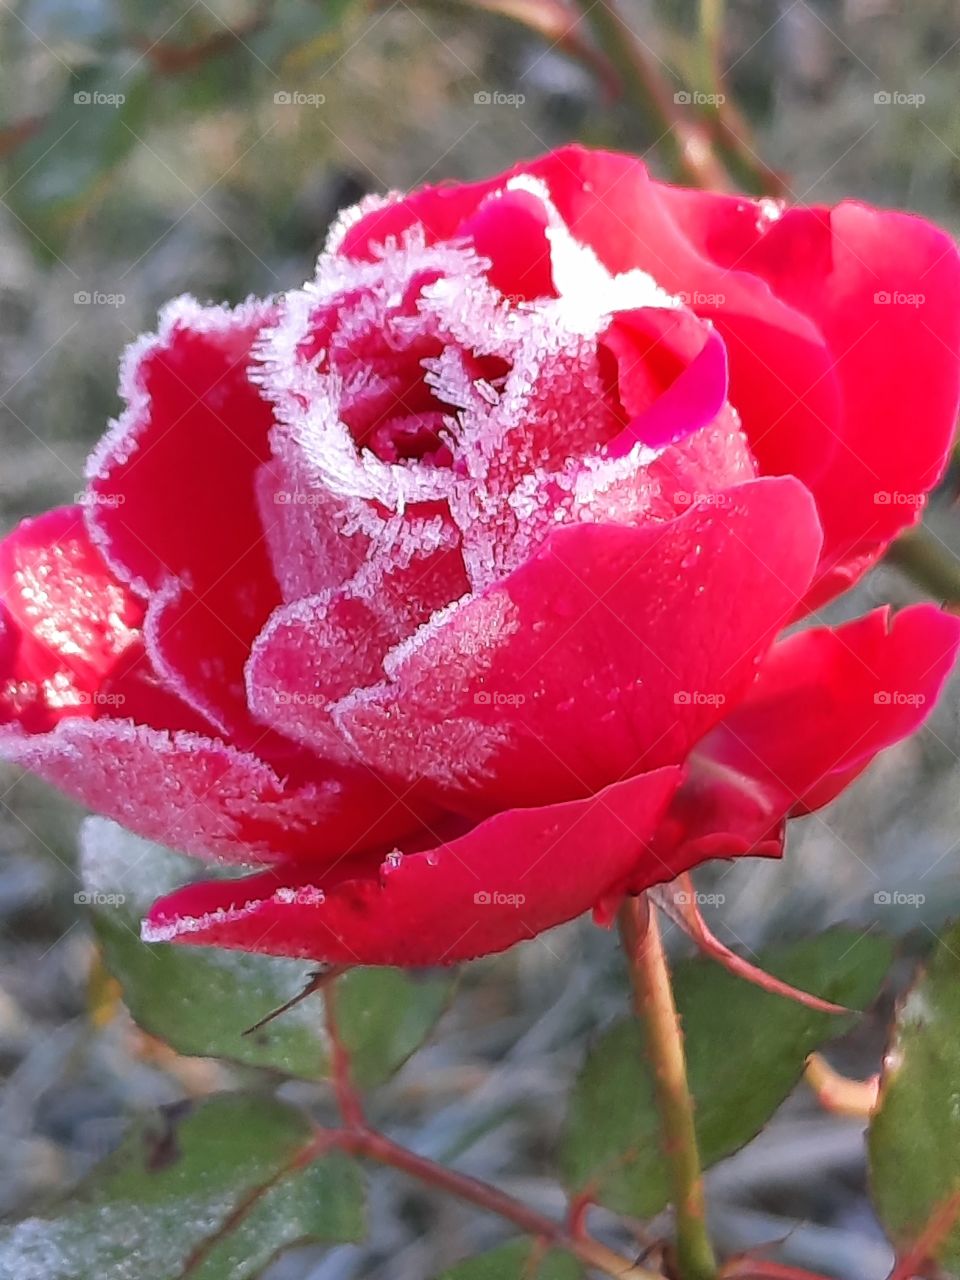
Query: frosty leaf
{"points": [[745, 1052], [211, 1193], [519, 1260], [914, 1140], [201, 1001]]}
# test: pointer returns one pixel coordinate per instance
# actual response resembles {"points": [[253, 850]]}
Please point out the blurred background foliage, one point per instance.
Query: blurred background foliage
{"points": [[147, 150]]}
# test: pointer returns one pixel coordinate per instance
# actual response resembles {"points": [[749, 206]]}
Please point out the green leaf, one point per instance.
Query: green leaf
{"points": [[211, 1193], [201, 1000], [519, 1260], [745, 1052], [914, 1137]]}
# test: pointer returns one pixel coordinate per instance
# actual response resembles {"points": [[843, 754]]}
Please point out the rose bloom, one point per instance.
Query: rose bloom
{"points": [[444, 596]]}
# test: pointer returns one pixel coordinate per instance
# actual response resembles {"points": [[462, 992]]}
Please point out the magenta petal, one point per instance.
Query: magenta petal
{"points": [[508, 879], [692, 402], [611, 651], [825, 702], [173, 496], [205, 798]]}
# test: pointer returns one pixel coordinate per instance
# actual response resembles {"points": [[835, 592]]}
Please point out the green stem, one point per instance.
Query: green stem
{"points": [[929, 563], [684, 139], [654, 1005]]}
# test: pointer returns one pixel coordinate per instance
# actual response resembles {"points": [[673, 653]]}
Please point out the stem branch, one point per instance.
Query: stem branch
{"points": [[654, 1005], [358, 1139], [684, 138], [371, 1145]]}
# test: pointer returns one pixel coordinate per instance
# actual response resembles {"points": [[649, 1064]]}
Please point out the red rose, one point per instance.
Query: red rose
{"points": [[447, 589]]}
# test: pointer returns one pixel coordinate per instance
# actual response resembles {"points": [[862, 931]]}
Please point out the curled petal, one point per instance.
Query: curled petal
{"points": [[507, 879], [573, 670], [824, 703]]}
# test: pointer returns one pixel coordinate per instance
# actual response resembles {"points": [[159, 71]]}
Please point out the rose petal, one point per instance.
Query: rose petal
{"points": [[508, 879], [68, 619], [825, 702], [173, 496], [611, 651], [199, 795], [317, 650]]}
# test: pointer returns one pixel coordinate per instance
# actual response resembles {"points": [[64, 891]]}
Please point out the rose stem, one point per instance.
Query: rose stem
{"points": [[686, 141], [348, 1099], [654, 1005], [358, 1139], [929, 562], [370, 1145]]}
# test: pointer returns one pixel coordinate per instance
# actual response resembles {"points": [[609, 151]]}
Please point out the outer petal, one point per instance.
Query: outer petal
{"points": [[508, 879], [825, 702], [68, 620], [173, 498], [209, 799], [889, 306], [609, 652]]}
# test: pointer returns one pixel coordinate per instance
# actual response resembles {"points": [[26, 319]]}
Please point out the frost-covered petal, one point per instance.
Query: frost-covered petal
{"points": [[611, 651], [209, 799], [506, 880], [824, 703], [319, 649], [68, 620], [172, 493]]}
